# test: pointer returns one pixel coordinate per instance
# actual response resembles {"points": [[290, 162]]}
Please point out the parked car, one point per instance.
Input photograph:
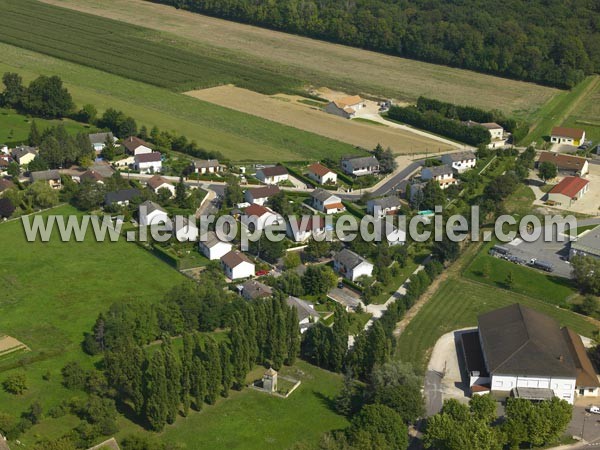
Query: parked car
{"points": [[594, 409]]}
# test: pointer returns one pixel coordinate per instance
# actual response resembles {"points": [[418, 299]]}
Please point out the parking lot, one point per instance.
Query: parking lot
{"points": [[585, 424]]}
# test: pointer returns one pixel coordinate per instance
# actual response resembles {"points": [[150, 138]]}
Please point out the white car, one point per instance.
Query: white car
{"points": [[594, 409]]}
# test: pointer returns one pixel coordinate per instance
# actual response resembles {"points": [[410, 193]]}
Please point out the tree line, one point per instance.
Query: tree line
{"points": [[547, 43]]}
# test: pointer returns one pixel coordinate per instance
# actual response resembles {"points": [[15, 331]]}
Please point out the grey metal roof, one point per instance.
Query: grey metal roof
{"points": [[349, 259], [589, 242], [206, 163], [22, 150], [362, 161]]}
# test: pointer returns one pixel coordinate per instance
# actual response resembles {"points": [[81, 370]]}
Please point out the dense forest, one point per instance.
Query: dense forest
{"points": [[551, 42]]}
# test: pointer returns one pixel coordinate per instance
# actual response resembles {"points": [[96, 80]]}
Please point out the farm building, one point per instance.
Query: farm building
{"points": [[98, 140], [136, 146], [156, 183], [326, 202], [444, 175], [566, 164], [460, 161], [151, 213], [51, 177], [366, 165], [587, 244], [237, 266], [351, 265], [261, 195], [272, 175], [571, 136], [518, 348], [380, 207], [148, 162], [300, 229], [321, 174], [212, 247], [345, 107], [569, 190]]}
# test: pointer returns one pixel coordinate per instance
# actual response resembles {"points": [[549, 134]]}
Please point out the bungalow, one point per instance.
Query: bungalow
{"points": [[307, 314], [272, 175], [185, 231], [24, 154], [345, 107], [570, 189], [253, 289], [237, 266], [136, 146], [213, 248], [91, 176], [380, 207], [257, 217], [151, 213], [326, 202], [156, 183], [321, 174], [444, 175], [148, 162], [121, 197], [351, 265], [5, 185], [51, 177], [460, 161], [98, 140], [300, 229], [204, 166], [566, 164], [571, 136], [366, 165], [261, 195]]}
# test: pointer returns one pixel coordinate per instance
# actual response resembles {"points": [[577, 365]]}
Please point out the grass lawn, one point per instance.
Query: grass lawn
{"points": [[53, 292], [358, 321], [520, 202], [457, 303], [586, 114]]}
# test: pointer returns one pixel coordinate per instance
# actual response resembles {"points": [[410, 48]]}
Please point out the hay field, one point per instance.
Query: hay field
{"points": [[288, 111], [325, 64]]}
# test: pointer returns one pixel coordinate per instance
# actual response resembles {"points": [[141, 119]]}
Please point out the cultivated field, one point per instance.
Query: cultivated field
{"points": [[325, 64], [288, 111]]}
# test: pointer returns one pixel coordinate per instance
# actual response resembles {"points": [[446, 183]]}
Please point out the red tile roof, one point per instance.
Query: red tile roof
{"points": [[319, 169], [569, 186], [573, 133], [334, 206], [256, 210]]}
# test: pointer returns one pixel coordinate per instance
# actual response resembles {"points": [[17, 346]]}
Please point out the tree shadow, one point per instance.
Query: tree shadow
{"points": [[326, 401]]}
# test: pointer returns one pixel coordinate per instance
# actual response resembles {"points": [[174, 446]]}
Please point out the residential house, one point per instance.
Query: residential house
{"points": [[346, 107], [460, 161], [444, 175], [261, 195], [570, 189], [4, 163], [51, 177], [148, 162], [351, 265], [253, 289], [213, 248], [237, 266], [205, 166], [326, 202], [91, 176], [98, 140], [151, 213], [380, 207], [570, 136], [390, 233], [307, 314], [127, 161], [521, 352], [156, 183], [566, 164], [321, 174], [121, 197], [24, 154], [365, 165], [5, 185], [185, 230], [272, 175], [586, 244], [257, 217], [497, 136], [300, 229], [136, 146]]}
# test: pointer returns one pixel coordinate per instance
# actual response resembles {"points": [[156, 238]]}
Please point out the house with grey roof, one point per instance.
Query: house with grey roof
{"points": [[273, 174], [253, 289], [587, 244], [205, 166], [307, 314], [380, 207], [51, 177], [325, 201], [24, 154], [444, 175], [212, 247], [121, 197], [366, 165], [351, 265], [151, 213], [460, 161], [98, 140]]}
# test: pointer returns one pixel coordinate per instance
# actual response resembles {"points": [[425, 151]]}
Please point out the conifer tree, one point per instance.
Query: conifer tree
{"points": [[226, 372], [212, 365], [35, 139], [173, 377], [156, 403]]}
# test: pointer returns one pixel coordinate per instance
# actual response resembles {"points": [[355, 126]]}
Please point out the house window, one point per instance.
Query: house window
{"points": [[497, 383], [590, 390]]}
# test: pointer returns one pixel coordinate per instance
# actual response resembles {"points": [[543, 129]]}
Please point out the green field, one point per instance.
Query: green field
{"points": [[457, 303], [586, 114]]}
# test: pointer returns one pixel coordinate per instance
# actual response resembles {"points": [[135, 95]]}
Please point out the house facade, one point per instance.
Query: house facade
{"points": [[569, 190], [213, 248], [206, 166], [261, 195], [148, 162], [570, 136], [443, 175], [185, 230], [151, 213], [321, 174], [136, 146], [307, 314], [272, 175], [257, 217], [326, 202], [351, 265], [237, 266], [460, 161], [300, 229], [358, 167], [253, 289], [98, 140], [23, 154]]}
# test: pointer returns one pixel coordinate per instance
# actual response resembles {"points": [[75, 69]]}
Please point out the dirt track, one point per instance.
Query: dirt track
{"points": [[285, 110]]}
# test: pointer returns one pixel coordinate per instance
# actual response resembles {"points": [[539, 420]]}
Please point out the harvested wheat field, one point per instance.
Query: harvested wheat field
{"points": [[286, 109], [9, 345], [325, 64]]}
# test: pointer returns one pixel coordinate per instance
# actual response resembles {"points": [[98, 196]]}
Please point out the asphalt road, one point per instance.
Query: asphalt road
{"points": [[396, 179], [433, 392]]}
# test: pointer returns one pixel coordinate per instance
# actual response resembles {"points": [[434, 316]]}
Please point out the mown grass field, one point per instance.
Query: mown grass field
{"points": [[457, 303], [586, 114]]}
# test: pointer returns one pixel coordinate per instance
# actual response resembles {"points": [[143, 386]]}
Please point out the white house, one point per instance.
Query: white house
{"points": [[148, 162], [326, 202], [321, 174], [24, 154], [520, 352], [497, 136], [261, 195], [151, 213], [98, 140], [346, 107], [390, 233], [351, 265], [272, 175], [307, 314], [571, 136], [237, 266], [300, 229], [185, 230], [205, 166], [460, 161], [381, 207], [156, 183], [444, 175], [257, 217], [365, 165], [569, 190], [213, 248], [136, 146]]}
